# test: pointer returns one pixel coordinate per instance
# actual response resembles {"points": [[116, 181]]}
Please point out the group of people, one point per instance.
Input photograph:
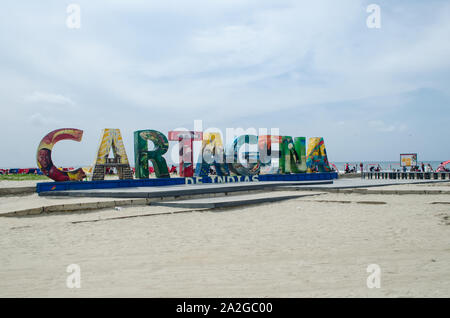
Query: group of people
{"points": [[423, 168], [442, 167], [377, 168], [349, 169]]}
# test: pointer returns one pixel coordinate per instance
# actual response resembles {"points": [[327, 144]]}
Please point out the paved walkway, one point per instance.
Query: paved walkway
{"points": [[182, 190], [368, 183], [232, 201], [208, 189], [206, 195]]}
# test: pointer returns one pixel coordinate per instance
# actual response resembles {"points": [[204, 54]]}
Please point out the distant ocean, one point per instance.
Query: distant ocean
{"points": [[385, 165]]}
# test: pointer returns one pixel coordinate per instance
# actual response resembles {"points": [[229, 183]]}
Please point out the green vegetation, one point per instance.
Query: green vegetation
{"points": [[22, 177]]}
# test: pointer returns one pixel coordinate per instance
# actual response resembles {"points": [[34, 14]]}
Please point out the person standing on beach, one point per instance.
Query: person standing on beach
{"points": [[423, 167]]}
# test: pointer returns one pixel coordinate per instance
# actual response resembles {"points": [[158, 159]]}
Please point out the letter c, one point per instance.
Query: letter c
{"points": [[44, 155]]}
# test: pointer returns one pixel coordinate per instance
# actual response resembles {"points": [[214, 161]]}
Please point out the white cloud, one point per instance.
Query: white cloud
{"points": [[381, 126], [56, 99], [39, 120]]}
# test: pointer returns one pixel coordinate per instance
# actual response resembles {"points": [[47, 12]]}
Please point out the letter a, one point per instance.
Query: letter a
{"points": [[317, 160], [111, 139]]}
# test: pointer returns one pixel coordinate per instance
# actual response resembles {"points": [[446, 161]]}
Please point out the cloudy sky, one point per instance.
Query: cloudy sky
{"points": [[309, 68]]}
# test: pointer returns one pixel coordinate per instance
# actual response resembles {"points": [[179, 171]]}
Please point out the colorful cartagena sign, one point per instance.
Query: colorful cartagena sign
{"points": [[273, 155]]}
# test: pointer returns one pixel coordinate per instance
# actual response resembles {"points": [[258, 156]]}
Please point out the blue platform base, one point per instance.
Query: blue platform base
{"points": [[159, 182]]}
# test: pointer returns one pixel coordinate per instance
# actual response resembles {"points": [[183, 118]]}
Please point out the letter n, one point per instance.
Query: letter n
{"points": [[293, 155]]}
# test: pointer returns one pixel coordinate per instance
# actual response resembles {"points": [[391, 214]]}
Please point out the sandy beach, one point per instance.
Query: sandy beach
{"points": [[19, 184], [308, 247], [225, 149]]}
